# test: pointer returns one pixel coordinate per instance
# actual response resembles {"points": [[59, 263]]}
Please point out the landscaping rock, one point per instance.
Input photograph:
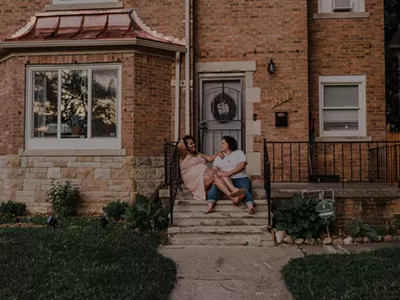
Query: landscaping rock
{"points": [[318, 242], [299, 241], [388, 238], [366, 240], [359, 240], [338, 241], [397, 237], [348, 241], [379, 238], [287, 240], [309, 241], [279, 235], [327, 241]]}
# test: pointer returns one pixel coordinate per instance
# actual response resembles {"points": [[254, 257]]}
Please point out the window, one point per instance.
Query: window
{"points": [[329, 6], [82, 1], [73, 107], [342, 106]]}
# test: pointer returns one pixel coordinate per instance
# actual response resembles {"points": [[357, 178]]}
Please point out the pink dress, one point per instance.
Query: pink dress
{"points": [[192, 171]]}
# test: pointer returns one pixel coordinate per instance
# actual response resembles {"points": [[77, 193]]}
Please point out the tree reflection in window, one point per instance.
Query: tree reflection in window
{"points": [[104, 95], [45, 104], [74, 103]]}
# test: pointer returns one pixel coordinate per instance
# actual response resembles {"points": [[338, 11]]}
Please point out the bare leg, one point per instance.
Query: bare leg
{"points": [[210, 208], [235, 191], [223, 187]]}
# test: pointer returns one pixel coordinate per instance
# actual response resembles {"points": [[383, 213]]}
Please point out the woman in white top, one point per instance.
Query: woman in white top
{"points": [[232, 169]]}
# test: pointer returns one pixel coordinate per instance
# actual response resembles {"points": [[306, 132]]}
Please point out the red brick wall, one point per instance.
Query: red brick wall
{"points": [[152, 104], [259, 30], [351, 46]]}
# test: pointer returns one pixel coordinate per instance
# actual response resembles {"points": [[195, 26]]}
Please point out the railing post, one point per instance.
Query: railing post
{"points": [[165, 163], [267, 180]]}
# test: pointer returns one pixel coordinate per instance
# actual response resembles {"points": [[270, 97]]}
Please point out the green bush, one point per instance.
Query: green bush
{"points": [[357, 228], [147, 215], [63, 198], [396, 222], [115, 210], [13, 208], [299, 218]]}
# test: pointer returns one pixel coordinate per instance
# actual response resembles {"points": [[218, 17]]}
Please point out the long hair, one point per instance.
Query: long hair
{"points": [[231, 141], [185, 139]]}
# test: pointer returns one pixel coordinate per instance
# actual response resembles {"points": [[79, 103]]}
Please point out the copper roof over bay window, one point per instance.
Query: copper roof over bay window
{"points": [[87, 28]]}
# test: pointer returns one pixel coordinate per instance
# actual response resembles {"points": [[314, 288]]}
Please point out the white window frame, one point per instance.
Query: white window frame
{"points": [[82, 1], [35, 143], [359, 80], [325, 6]]}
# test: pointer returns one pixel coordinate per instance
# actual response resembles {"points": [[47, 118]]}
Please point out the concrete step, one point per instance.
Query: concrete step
{"points": [[219, 203], [218, 229], [219, 222], [221, 215], [222, 239], [185, 194], [218, 208]]}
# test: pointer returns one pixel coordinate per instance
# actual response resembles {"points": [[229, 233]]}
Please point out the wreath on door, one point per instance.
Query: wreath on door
{"points": [[223, 108]]}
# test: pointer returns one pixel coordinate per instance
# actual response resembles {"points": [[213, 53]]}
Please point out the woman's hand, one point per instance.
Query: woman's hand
{"points": [[221, 155], [224, 174]]}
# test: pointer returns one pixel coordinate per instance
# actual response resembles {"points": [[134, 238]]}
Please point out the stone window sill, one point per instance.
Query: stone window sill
{"points": [[83, 6], [121, 152], [341, 15], [343, 139]]}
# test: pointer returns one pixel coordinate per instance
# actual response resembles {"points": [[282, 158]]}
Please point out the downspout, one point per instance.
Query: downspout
{"points": [[177, 93], [187, 67]]}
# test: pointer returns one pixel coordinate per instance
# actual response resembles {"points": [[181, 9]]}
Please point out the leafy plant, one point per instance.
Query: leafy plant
{"points": [[396, 222], [63, 198], [115, 210], [13, 208], [299, 218], [357, 228], [147, 215]]}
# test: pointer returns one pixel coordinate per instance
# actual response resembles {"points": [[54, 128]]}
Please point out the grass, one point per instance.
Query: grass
{"points": [[367, 276], [84, 262]]}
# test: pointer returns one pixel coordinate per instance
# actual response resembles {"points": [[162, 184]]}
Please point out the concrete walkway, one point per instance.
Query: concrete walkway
{"points": [[241, 273], [230, 273]]}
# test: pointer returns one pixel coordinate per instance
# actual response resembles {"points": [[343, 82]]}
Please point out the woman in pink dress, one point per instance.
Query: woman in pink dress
{"points": [[198, 177]]}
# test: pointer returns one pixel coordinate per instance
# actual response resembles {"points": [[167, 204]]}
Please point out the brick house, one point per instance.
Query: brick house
{"points": [[91, 88]]}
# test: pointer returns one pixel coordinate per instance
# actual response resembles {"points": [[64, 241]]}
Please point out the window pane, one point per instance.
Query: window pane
{"points": [[45, 92], [74, 101], [341, 96], [104, 108], [341, 120]]}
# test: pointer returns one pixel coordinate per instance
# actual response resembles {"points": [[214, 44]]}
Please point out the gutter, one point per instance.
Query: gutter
{"points": [[187, 67], [177, 94], [9, 46]]}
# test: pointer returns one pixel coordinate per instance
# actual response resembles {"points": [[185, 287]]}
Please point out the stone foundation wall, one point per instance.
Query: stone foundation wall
{"points": [[102, 179]]}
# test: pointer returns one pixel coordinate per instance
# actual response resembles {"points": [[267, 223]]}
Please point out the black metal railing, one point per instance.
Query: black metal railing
{"points": [[345, 162], [384, 163], [172, 173], [267, 181]]}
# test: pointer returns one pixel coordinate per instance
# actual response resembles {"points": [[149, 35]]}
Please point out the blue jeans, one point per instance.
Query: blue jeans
{"points": [[242, 183]]}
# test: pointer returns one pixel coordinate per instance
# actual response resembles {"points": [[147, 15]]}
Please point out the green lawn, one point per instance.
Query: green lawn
{"points": [[367, 276], [85, 262]]}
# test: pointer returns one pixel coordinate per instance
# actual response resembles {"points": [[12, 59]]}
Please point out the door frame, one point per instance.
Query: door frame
{"points": [[204, 77]]}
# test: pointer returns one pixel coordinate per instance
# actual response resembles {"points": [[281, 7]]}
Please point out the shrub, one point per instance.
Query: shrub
{"points": [[13, 208], [396, 222], [299, 218], [115, 210], [357, 228], [147, 215], [63, 198]]}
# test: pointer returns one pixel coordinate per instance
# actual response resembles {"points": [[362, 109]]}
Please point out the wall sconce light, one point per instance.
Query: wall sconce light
{"points": [[271, 67]]}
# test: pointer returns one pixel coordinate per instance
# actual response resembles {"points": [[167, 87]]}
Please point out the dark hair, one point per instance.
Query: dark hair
{"points": [[185, 140], [232, 143]]}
